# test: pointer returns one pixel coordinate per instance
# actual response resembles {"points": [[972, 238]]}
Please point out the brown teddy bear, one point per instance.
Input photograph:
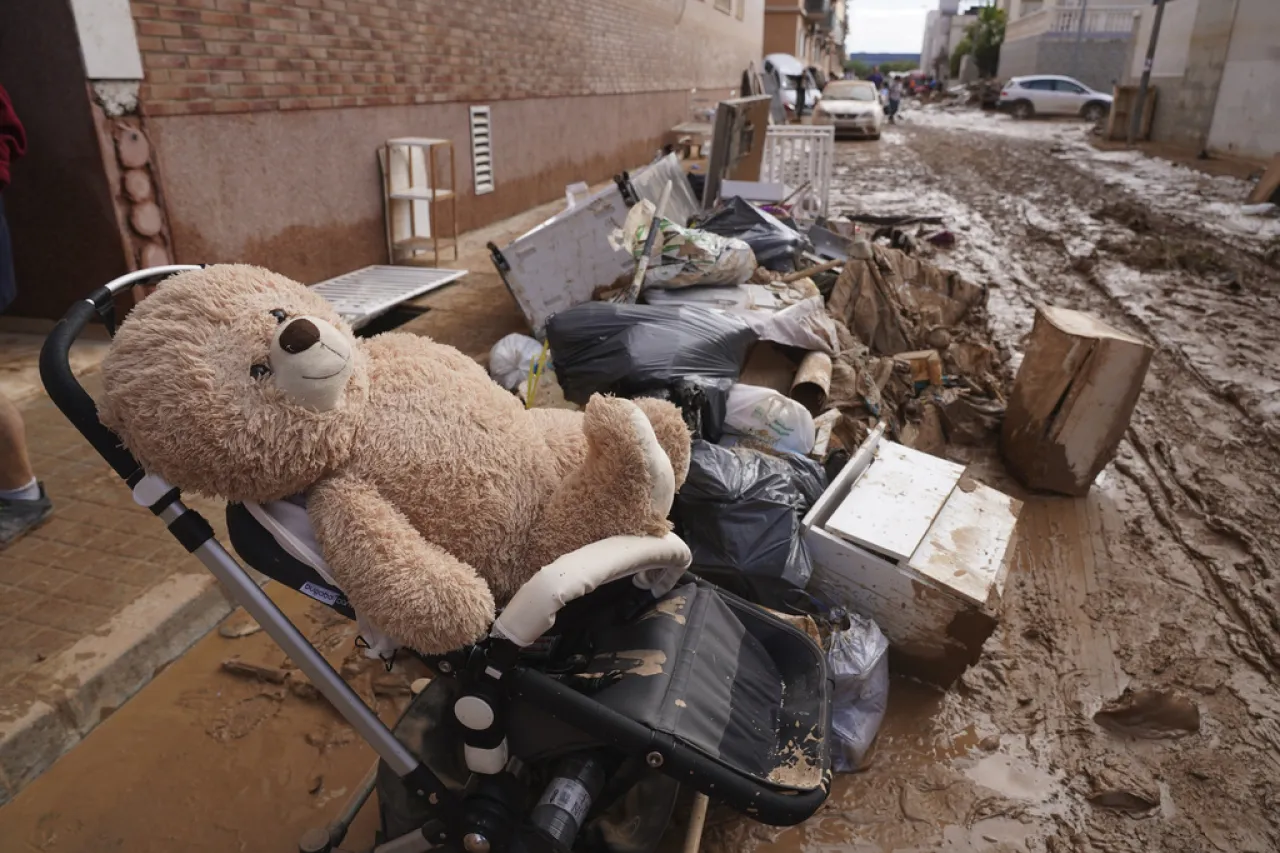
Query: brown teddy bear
{"points": [[433, 492]]}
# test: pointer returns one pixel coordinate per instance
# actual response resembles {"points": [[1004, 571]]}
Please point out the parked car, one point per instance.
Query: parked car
{"points": [[790, 75], [1025, 97], [852, 106]]}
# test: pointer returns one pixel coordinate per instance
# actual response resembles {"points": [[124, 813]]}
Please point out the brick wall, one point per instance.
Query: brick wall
{"points": [[234, 56]]}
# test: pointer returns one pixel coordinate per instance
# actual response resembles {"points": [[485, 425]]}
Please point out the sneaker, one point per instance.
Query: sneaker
{"points": [[18, 516]]}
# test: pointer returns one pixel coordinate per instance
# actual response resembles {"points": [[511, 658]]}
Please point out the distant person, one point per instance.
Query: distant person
{"points": [[895, 99], [23, 503], [876, 77]]}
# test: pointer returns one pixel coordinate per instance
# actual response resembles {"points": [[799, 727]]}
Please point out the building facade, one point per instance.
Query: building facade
{"points": [[1091, 43], [1216, 73], [939, 38], [247, 130], [813, 31]]}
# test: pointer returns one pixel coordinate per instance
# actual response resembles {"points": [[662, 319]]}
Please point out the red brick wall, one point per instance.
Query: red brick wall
{"points": [[231, 56]]}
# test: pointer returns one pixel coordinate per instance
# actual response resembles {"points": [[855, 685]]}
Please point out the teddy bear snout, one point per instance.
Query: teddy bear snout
{"points": [[299, 336], [311, 362]]}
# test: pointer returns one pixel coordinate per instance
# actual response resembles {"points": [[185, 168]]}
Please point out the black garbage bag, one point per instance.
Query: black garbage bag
{"points": [[603, 347], [739, 511], [703, 403], [775, 244]]}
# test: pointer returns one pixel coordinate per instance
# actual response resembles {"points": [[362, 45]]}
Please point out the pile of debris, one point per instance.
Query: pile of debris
{"points": [[799, 348]]}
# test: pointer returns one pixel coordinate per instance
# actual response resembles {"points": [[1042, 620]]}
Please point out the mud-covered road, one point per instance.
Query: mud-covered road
{"points": [[1163, 581]]}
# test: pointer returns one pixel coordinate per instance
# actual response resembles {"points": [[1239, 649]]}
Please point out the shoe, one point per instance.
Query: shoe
{"points": [[22, 516]]}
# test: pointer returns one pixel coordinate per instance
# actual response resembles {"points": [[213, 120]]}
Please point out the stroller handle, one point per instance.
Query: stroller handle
{"points": [[60, 381]]}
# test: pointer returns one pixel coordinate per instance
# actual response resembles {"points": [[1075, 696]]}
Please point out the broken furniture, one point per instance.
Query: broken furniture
{"points": [[564, 261], [797, 155], [737, 144], [911, 541], [1072, 399], [416, 202], [361, 296]]}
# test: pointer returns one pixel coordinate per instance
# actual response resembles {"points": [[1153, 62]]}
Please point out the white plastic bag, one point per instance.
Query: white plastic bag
{"points": [[805, 324], [768, 416], [509, 360], [859, 663]]}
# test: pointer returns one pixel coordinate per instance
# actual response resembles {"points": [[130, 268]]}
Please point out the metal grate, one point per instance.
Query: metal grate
{"points": [[364, 294], [481, 150]]}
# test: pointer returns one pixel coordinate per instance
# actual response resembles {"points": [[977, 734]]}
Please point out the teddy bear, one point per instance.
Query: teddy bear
{"points": [[434, 493]]}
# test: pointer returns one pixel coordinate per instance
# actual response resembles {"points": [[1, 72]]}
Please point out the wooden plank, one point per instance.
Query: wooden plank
{"points": [[893, 504], [965, 550], [1268, 188]]}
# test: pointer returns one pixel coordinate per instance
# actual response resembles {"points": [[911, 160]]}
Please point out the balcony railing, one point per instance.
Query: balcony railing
{"points": [[1099, 22], [817, 10]]}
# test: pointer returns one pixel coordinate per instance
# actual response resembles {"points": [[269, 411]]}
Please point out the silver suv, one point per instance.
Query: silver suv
{"points": [[1052, 95]]}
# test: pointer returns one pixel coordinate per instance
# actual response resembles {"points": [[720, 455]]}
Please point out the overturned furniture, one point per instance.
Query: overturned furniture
{"points": [[1075, 392], [564, 261], [911, 541]]}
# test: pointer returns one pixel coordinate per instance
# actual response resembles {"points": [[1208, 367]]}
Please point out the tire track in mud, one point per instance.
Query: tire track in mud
{"points": [[1110, 594], [1224, 527]]}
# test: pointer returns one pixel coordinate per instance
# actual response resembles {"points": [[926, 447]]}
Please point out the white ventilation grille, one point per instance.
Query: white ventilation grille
{"points": [[481, 150]]}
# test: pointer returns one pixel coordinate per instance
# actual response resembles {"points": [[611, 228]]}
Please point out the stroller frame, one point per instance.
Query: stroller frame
{"points": [[496, 660]]}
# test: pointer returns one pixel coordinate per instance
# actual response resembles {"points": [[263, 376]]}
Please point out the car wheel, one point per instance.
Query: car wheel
{"points": [[1023, 110], [1094, 112]]}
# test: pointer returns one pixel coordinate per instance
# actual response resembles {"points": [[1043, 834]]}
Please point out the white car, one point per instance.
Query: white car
{"points": [[790, 76], [1052, 95], [852, 106]]}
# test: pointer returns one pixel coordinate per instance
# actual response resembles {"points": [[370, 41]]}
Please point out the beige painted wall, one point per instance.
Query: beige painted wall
{"points": [[1246, 117], [300, 192]]}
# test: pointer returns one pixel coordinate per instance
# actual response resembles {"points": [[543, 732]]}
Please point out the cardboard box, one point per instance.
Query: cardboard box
{"points": [[913, 542], [1072, 400]]}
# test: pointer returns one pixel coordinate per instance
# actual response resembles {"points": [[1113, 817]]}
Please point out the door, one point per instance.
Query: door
{"points": [[1071, 97], [1041, 95]]}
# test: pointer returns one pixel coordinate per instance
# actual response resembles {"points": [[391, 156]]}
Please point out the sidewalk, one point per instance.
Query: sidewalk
{"points": [[90, 604], [101, 598]]}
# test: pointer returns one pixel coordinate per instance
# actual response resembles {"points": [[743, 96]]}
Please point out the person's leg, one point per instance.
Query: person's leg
{"points": [[15, 466], [23, 503]]}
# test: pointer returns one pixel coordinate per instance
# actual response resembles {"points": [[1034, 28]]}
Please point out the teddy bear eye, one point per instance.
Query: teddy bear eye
{"points": [[259, 370], [279, 314]]}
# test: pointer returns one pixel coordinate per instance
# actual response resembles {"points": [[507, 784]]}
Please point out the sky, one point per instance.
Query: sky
{"points": [[889, 26]]}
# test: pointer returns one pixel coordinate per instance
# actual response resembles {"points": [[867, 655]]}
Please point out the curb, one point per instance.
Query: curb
{"points": [[103, 670]]}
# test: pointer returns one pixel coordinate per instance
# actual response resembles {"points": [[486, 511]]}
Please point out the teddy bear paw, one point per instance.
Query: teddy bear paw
{"points": [[617, 427]]}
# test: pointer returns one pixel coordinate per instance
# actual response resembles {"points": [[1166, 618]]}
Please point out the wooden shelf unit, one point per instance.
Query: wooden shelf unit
{"points": [[416, 205]]}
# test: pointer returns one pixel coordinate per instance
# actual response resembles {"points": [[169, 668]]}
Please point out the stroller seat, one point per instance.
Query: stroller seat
{"points": [[703, 667], [699, 667]]}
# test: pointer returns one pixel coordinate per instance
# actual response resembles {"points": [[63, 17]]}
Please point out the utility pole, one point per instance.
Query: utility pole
{"points": [[1135, 112], [1075, 59]]}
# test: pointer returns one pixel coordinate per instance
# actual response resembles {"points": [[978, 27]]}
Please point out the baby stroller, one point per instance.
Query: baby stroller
{"points": [[611, 679]]}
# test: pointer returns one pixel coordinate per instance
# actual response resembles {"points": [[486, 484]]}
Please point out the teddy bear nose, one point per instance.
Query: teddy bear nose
{"points": [[299, 336]]}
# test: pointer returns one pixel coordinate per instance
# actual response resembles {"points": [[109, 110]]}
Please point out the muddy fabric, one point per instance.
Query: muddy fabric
{"points": [[891, 300]]}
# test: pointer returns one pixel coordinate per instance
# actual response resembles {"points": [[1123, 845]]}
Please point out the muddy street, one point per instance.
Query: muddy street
{"points": [[1154, 599]]}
